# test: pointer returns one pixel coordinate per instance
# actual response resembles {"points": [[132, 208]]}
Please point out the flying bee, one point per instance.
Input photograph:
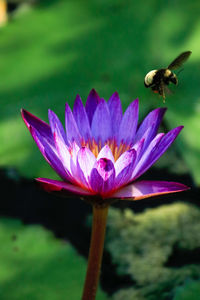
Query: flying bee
{"points": [[158, 80]]}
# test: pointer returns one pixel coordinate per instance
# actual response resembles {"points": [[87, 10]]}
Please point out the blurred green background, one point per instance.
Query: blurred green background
{"points": [[50, 51]]}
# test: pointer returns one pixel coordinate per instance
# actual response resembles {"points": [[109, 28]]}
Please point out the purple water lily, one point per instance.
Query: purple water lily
{"points": [[103, 152]]}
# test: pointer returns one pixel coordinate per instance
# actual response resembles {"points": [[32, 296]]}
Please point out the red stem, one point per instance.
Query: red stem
{"points": [[95, 253]]}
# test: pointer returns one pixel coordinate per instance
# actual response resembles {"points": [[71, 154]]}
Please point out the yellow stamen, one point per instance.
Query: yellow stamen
{"points": [[96, 147]]}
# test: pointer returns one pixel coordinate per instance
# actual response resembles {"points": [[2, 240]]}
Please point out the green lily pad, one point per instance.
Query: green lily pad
{"points": [[35, 265]]}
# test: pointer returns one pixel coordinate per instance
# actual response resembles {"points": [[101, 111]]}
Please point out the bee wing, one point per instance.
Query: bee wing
{"points": [[178, 61]]}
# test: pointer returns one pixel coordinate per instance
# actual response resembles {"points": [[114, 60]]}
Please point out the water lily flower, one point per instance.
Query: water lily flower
{"points": [[103, 152], [100, 156]]}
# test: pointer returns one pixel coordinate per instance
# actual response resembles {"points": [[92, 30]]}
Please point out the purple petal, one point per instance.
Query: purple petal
{"points": [[152, 121], [129, 124], [55, 122], [49, 154], [145, 189], [146, 157], [63, 152], [74, 151], [152, 154], [73, 162], [81, 119], [146, 140], [43, 128], [101, 123], [124, 167], [71, 126], [106, 153], [138, 147], [68, 189], [91, 104], [85, 163], [124, 160], [116, 113], [102, 176]]}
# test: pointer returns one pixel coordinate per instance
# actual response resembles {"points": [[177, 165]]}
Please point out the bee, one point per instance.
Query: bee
{"points": [[158, 80]]}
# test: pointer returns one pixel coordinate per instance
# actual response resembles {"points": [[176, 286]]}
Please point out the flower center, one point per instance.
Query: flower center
{"points": [[96, 147]]}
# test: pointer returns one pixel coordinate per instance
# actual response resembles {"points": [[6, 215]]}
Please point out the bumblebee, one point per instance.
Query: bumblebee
{"points": [[158, 80]]}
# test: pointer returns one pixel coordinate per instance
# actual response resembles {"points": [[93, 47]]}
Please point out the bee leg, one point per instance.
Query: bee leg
{"points": [[163, 98], [162, 91]]}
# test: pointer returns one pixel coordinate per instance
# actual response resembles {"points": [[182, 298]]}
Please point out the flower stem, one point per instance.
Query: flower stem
{"points": [[95, 253]]}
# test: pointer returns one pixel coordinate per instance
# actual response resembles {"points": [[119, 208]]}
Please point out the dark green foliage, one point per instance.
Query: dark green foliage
{"points": [[189, 291], [141, 245]]}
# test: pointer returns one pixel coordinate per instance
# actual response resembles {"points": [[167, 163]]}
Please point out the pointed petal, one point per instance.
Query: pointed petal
{"points": [[63, 152], [106, 153], [85, 163], [152, 154], [124, 167], [145, 189], [146, 157], [68, 189], [71, 126], [102, 176], [101, 123], [81, 118], [139, 147], [91, 104], [129, 124], [42, 127], [49, 154], [116, 113], [152, 121], [146, 140], [55, 122], [73, 162]]}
